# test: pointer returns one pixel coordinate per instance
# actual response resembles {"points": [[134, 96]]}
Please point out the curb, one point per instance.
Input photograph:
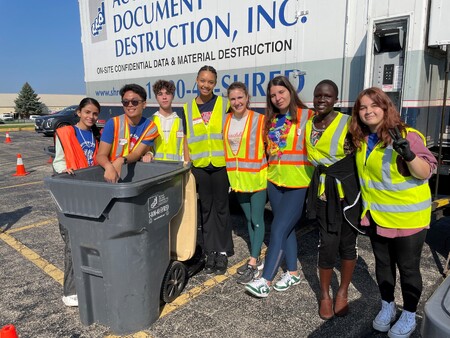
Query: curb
{"points": [[18, 129]]}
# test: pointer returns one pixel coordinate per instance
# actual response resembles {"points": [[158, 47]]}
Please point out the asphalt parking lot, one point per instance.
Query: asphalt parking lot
{"points": [[31, 265]]}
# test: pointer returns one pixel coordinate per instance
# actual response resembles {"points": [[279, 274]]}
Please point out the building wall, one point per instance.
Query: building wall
{"points": [[54, 102]]}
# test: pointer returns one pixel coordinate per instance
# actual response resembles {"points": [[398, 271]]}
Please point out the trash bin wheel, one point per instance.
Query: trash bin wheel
{"points": [[174, 281]]}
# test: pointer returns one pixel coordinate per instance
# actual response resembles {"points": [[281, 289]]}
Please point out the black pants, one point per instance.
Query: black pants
{"points": [[342, 242], [69, 281], [213, 187], [405, 253]]}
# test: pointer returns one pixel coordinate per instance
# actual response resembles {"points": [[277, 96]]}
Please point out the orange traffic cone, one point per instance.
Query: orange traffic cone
{"points": [[8, 139], [50, 160], [8, 331], [20, 169]]}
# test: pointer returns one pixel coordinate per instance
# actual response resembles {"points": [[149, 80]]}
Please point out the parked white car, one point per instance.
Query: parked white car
{"points": [[33, 117], [7, 117]]}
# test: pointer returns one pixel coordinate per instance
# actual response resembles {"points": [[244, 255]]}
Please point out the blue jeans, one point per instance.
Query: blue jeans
{"points": [[287, 207]]}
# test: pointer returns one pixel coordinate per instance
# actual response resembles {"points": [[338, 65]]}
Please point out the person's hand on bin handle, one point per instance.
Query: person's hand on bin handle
{"points": [[401, 145]]}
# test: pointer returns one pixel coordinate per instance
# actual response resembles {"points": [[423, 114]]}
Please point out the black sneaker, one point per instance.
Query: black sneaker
{"points": [[240, 270], [210, 265], [259, 264], [249, 274], [221, 264]]}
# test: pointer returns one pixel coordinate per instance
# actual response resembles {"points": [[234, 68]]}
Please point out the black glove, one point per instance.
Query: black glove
{"points": [[401, 145]]}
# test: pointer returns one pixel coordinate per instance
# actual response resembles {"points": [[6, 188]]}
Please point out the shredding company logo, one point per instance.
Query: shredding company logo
{"points": [[97, 20]]}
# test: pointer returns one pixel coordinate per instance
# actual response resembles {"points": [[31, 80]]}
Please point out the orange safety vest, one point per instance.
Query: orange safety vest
{"points": [[247, 170], [121, 142], [292, 169], [73, 154]]}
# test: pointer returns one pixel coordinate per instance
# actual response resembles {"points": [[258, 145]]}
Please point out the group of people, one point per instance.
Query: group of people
{"points": [[365, 173]]}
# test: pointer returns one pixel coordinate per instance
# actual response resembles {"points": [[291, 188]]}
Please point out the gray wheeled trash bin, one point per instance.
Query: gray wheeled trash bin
{"points": [[119, 235]]}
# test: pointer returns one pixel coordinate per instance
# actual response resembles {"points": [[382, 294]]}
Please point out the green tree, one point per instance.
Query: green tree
{"points": [[27, 102]]}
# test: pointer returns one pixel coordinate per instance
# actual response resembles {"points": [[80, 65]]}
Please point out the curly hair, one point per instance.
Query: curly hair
{"points": [[163, 84], [391, 118]]}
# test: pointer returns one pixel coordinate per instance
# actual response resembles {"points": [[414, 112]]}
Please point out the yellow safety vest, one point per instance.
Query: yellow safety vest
{"points": [[292, 169], [205, 142], [172, 148], [247, 170], [121, 141], [394, 201], [330, 147]]}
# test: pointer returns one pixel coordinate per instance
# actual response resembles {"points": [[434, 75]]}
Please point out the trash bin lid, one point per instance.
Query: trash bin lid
{"points": [[87, 194]]}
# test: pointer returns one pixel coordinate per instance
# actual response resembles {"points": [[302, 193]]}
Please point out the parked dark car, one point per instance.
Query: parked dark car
{"points": [[65, 117], [68, 116], [38, 124], [110, 111]]}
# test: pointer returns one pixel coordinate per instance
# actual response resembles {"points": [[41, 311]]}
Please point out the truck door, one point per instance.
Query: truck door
{"points": [[388, 58], [385, 57]]}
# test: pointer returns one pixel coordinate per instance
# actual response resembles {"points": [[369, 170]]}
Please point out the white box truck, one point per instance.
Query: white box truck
{"points": [[400, 46]]}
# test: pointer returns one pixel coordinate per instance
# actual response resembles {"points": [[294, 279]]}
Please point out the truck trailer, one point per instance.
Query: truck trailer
{"points": [[401, 46]]}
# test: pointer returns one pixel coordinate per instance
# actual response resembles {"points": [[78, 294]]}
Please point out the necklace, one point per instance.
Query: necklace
{"points": [[88, 148], [326, 121], [81, 133], [277, 136]]}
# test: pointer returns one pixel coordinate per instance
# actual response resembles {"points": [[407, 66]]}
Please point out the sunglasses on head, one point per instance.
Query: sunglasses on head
{"points": [[134, 103]]}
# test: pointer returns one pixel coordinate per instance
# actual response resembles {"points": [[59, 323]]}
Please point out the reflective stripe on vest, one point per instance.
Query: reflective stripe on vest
{"points": [[293, 169], [394, 201], [329, 149], [172, 148], [73, 153], [247, 170], [121, 141], [205, 143]]}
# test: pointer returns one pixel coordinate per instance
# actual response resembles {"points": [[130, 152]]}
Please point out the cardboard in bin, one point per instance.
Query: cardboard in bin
{"points": [[183, 227]]}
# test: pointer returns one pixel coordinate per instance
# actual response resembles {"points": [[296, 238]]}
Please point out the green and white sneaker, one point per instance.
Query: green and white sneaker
{"points": [[259, 288], [286, 281]]}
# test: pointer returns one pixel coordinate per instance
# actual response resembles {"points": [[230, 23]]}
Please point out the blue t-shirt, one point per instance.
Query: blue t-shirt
{"points": [[372, 141], [135, 132], [87, 143]]}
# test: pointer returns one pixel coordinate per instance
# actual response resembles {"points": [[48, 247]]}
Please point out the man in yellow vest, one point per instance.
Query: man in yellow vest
{"points": [[169, 145], [126, 138]]}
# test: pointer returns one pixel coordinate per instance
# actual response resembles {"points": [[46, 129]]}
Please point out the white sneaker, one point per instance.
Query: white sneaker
{"points": [[405, 326], [70, 300], [286, 281], [385, 317], [259, 288]]}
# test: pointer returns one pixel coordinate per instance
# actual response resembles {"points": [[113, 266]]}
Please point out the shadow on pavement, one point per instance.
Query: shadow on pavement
{"points": [[8, 219]]}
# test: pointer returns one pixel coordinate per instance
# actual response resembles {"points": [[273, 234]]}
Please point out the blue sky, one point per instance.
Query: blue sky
{"points": [[41, 44]]}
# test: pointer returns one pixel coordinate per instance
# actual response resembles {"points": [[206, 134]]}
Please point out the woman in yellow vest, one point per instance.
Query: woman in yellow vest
{"points": [[204, 117], [333, 195], [289, 174], [247, 171], [394, 166], [75, 148]]}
